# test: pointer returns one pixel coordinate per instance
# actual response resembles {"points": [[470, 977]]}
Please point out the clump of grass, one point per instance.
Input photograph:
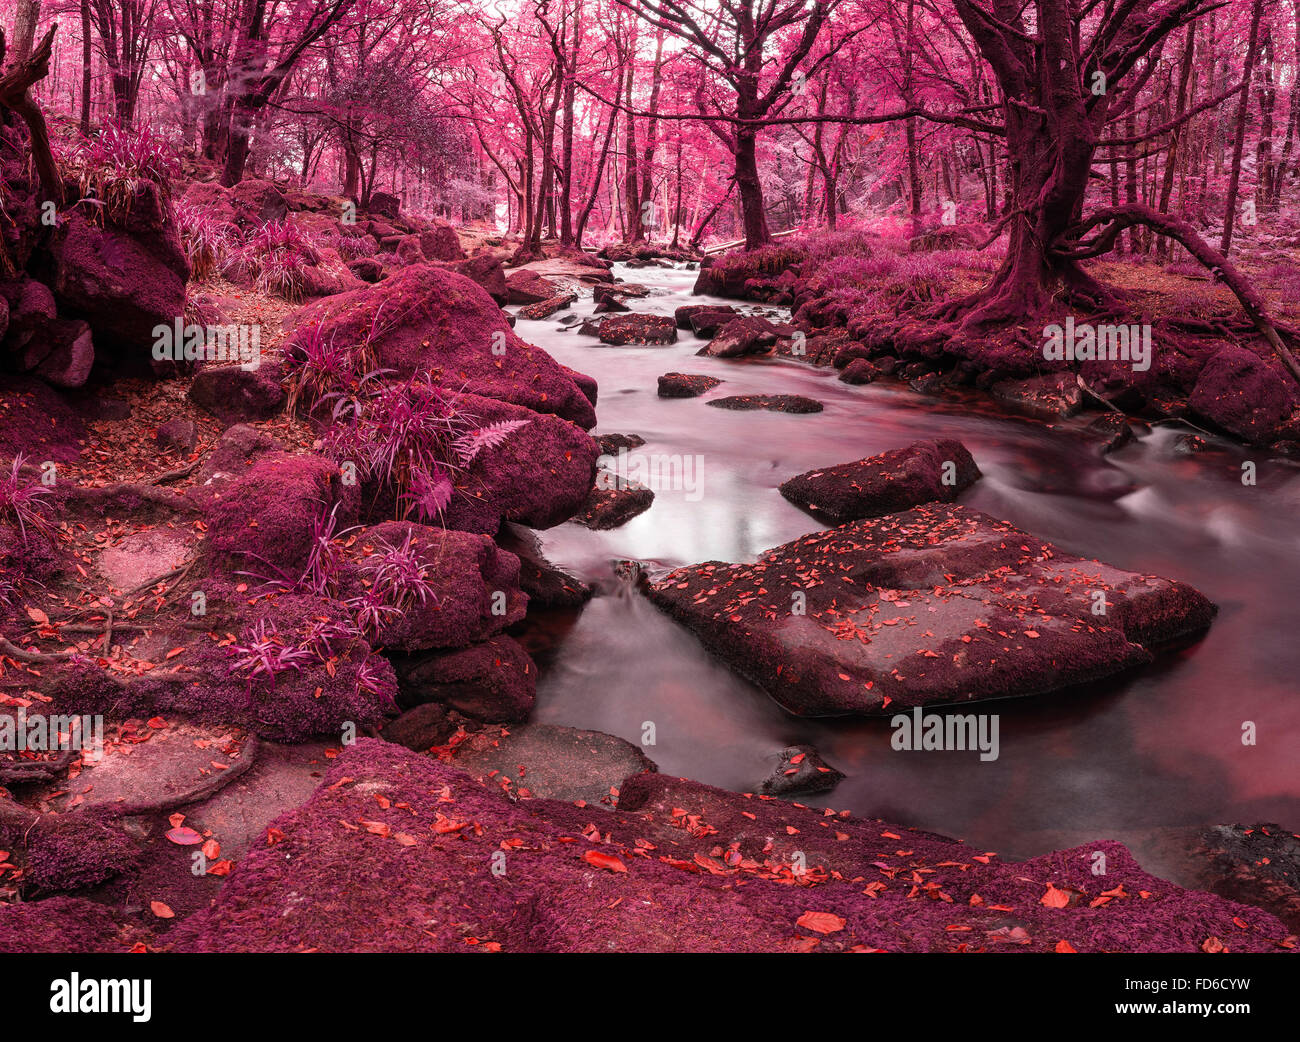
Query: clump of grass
{"points": [[276, 257], [322, 574], [884, 281], [352, 247], [263, 651], [768, 261], [207, 240], [20, 501], [111, 166]]}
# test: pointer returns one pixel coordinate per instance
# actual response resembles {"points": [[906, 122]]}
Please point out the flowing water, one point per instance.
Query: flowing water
{"points": [[1160, 748]]}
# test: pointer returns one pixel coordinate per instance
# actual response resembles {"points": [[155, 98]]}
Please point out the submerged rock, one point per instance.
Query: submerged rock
{"points": [[1042, 397], [704, 319], [686, 385], [742, 336], [676, 866], [801, 770], [1112, 431], [613, 502], [546, 585], [895, 480], [935, 605], [860, 371], [796, 403], [547, 308], [609, 444]]}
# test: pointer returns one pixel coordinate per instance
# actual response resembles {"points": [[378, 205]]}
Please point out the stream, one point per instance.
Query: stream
{"points": [[1161, 748]]}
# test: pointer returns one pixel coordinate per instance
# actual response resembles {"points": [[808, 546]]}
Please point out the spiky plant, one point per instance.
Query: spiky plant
{"points": [[112, 165], [322, 573], [399, 574], [262, 651], [20, 501], [207, 240], [276, 257]]}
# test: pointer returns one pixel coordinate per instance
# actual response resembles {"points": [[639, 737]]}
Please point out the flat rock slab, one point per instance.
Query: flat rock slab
{"points": [[1053, 397], [547, 308], [936, 605], [548, 762], [147, 762], [686, 385], [571, 271], [771, 402], [638, 329], [139, 556], [895, 480], [396, 852]]}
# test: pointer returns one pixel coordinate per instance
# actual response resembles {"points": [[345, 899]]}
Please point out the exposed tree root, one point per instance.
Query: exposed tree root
{"points": [[1116, 218], [210, 786], [174, 475], [14, 95], [20, 771], [14, 815], [13, 651]]}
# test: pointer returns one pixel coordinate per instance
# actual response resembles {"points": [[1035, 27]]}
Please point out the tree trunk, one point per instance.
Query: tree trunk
{"points": [[26, 17], [1243, 108], [749, 187], [631, 189], [85, 68], [237, 146], [1048, 176], [1171, 159]]}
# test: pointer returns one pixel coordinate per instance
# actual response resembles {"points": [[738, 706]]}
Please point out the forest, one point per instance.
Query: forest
{"points": [[677, 476]]}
